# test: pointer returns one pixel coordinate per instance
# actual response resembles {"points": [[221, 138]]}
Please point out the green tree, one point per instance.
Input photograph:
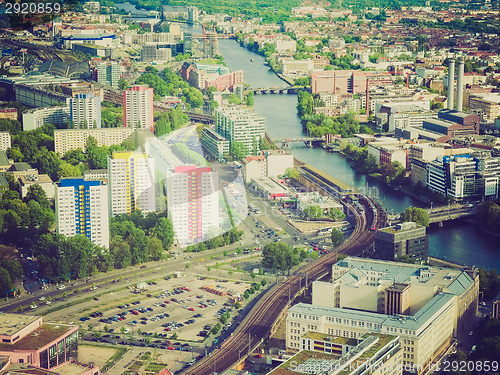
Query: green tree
{"points": [[337, 237], [292, 173], [417, 215], [155, 248], [164, 231], [238, 150], [5, 281], [122, 83], [313, 212]]}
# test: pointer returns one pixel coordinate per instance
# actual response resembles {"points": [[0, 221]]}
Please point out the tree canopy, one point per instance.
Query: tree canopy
{"points": [[417, 215]]}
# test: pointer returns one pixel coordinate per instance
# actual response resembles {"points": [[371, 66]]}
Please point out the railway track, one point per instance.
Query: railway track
{"points": [[257, 325]]}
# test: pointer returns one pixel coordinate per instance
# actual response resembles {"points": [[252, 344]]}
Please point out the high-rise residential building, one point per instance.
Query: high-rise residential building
{"points": [[240, 125], [131, 178], [85, 111], [82, 209], [5, 141], [108, 74], [193, 203], [37, 117], [138, 107]]}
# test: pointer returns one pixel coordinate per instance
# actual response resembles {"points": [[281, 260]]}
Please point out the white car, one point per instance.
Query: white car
{"points": [[61, 287], [42, 298]]}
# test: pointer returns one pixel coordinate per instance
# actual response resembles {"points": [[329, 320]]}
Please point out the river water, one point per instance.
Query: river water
{"points": [[458, 242]]}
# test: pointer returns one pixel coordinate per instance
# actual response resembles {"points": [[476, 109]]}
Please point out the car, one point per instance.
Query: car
{"points": [[258, 356], [471, 333], [191, 309], [96, 299], [42, 298], [61, 287], [142, 267]]}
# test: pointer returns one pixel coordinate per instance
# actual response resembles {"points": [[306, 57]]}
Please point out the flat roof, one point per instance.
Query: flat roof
{"points": [[330, 338], [12, 323], [40, 337], [41, 179]]}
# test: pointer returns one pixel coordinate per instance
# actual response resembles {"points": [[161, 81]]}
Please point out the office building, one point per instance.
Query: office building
{"points": [[402, 239], [40, 345], [214, 144], [240, 125], [156, 53], [82, 209], [108, 73], [138, 107], [131, 181], [85, 111], [487, 106], [193, 203], [37, 117], [427, 307], [462, 177]]}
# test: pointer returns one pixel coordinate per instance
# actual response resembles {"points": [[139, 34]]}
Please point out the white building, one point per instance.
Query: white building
{"points": [[425, 306], [85, 111], [37, 117], [82, 209], [138, 107], [5, 141], [131, 179], [240, 125], [253, 167], [108, 73], [71, 139], [277, 162], [193, 203]]}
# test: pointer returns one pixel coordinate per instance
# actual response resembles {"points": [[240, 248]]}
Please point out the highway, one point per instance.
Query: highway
{"points": [[257, 325]]}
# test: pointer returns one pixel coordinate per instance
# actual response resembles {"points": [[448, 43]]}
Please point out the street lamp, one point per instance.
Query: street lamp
{"points": [[431, 206]]}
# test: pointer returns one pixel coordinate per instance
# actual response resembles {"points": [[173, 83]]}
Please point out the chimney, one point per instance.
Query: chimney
{"points": [[451, 83], [460, 84]]}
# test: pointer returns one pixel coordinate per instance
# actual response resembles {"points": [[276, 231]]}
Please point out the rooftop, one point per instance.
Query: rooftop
{"points": [[330, 338], [40, 337], [12, 323], [35, 179]]}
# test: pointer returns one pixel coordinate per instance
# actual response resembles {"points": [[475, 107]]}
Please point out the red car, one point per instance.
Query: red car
{"points": [[170, 348], [258, 356], [191, 309], [167, 301], [166, 329], [202, 307], [135, 312]]}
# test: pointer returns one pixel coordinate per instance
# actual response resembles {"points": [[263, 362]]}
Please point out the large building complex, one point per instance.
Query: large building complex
{"points": [[131, 179], [240, 125], [71, 139], [138, 107], [85, 111], [193, 203], [425, 306], [82, 209], [347, 81]]}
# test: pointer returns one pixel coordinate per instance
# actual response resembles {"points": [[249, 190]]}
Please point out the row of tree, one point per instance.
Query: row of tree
{"points": [[488, 215], [183, 152], [165, 122], [280, 256]]}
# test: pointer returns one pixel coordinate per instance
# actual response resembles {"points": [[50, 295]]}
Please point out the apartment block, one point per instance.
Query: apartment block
{"points": [[108, 73], [225, 81], [138, 107], [131, 179], [82, 209], [85, 111], [402, 239], [240, 125], [156, 53], [487, 106], [38, 117], [5, 141], [193, 203], [71, 139], [426, 307], [253, 167], [45, 182], [347, 81]]}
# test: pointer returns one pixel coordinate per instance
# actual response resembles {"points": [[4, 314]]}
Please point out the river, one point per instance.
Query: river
{"points": [[457, 242]]}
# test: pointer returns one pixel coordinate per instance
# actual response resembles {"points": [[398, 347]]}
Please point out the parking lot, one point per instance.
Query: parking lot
{"points": [[173, 316]]}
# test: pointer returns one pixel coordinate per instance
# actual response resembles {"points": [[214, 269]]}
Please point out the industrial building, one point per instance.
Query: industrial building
{"points": [[408, 239]]}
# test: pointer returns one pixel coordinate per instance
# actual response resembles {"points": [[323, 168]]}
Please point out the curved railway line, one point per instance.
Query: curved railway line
{"points": [[259, 323]]}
